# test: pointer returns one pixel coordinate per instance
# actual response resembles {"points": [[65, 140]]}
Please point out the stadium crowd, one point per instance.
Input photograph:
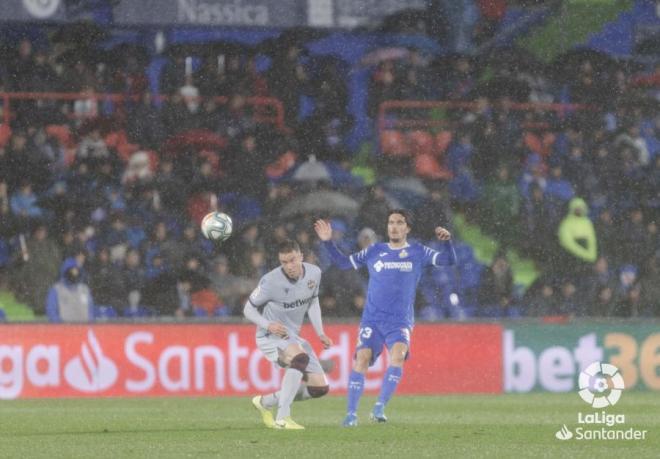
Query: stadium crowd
{"points": [[110, 198]]}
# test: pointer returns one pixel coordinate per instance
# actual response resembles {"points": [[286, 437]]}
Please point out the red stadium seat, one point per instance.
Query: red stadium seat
{"points": [[421, 142], [427, 166], [442, 141], [62, 133], [392, 143], [5, 134]]}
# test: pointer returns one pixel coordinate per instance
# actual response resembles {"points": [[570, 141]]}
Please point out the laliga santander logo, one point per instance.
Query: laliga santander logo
{"points": [[91, 371], [41, 9], [601, 384]]}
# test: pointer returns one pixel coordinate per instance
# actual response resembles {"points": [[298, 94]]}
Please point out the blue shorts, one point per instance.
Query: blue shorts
{"points": [[373, 335]]}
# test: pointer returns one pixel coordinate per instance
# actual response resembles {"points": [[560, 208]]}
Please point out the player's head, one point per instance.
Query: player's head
{"points": [[399, 224], [290, 256]]}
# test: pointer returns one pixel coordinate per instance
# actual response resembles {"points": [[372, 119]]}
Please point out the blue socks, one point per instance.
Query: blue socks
{"points": [[390, 381], [355, 388]]}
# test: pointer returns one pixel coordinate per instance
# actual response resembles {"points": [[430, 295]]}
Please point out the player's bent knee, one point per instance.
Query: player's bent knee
{"points": [[300, 362], [317, 391]]}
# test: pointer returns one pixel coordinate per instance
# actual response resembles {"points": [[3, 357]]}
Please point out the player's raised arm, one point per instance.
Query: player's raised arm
{"points": [[447, 256], [324, 232]]}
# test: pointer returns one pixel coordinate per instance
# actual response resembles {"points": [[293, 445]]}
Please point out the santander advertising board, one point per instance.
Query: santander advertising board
{"points": [[168, 360]]}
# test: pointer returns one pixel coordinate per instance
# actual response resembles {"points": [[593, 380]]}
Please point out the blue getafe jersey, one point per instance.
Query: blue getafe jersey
{"points": [[393, 278]]}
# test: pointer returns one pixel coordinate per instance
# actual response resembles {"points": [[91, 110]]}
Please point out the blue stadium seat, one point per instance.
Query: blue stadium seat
{"points": [[139, 312], [104, 312]]}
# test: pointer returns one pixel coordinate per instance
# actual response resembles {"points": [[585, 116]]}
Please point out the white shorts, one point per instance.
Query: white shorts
{"points": [[272, 346]]}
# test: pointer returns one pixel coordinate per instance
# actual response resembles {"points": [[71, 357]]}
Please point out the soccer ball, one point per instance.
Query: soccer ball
{"points": [[217, 226]]}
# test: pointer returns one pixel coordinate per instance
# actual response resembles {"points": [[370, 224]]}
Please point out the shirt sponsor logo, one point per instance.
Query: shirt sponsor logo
{"points": [[297, 303], [403, 266]]}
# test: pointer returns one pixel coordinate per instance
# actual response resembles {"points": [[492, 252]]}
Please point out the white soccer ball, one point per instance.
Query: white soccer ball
{"points": [[217, 226]]}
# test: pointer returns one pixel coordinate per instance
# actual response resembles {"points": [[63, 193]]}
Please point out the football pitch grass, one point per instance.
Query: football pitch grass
{"points": [[507, 426]]}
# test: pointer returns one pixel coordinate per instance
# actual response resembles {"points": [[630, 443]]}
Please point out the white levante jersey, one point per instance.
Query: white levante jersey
{"points": [[286, 300]]}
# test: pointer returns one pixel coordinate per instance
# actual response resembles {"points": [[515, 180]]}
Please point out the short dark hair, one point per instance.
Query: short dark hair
{"points": [[288, 246], [406, 215]]}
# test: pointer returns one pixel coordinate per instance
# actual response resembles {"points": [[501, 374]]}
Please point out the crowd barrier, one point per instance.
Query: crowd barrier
{"points": [[105, 360]]}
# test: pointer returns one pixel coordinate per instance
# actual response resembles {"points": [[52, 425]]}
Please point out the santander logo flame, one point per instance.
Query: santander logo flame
{"points": [[91, 371]]}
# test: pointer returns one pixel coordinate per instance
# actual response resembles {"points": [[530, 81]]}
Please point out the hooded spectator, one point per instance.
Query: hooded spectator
{"points": [[69, 299]]}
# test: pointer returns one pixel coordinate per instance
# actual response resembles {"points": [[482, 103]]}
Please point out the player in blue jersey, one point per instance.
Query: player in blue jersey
{"points": [[395, 268]]}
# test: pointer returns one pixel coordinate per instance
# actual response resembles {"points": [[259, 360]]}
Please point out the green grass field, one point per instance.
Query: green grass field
{"points": [[438, 426]]}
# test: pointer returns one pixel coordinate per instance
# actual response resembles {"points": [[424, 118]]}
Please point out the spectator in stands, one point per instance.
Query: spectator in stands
{"points": [[39, 268], [557, 187], [24, 163], [244, 167], [134, 277], [650, 283], [233, 289], [24, 204], [384, 85], [609, 236], [496, 291], [577, 238], [92, 146], [170, 186], [636, 245], [144, 125], [604, 303], [5, 209], [69, 299], [234, 119], [500, 206], [106, 281], [176, 117], [601, 276], [541, 299], [629, 292], [579, 172], [289, 80]]}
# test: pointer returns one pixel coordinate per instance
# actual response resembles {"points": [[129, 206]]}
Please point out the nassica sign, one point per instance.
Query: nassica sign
{"points": [[156, 360]]}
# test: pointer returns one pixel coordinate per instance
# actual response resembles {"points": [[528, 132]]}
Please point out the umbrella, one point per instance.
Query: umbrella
{"points": [[194, 139], [329, 203], [312, 171], [408, 192], [80, 33], [408, 184]]}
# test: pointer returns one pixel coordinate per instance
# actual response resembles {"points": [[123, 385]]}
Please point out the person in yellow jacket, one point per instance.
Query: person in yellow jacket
{"points": [[578, 239]]}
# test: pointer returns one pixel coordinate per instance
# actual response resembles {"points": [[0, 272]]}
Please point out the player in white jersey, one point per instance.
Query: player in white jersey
{"points": [[284, 296]]}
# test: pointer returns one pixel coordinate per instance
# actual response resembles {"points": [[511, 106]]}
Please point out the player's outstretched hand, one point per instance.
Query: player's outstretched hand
{"points": [[278, 329], [442, 234], [323, 230], [327, 342]]}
